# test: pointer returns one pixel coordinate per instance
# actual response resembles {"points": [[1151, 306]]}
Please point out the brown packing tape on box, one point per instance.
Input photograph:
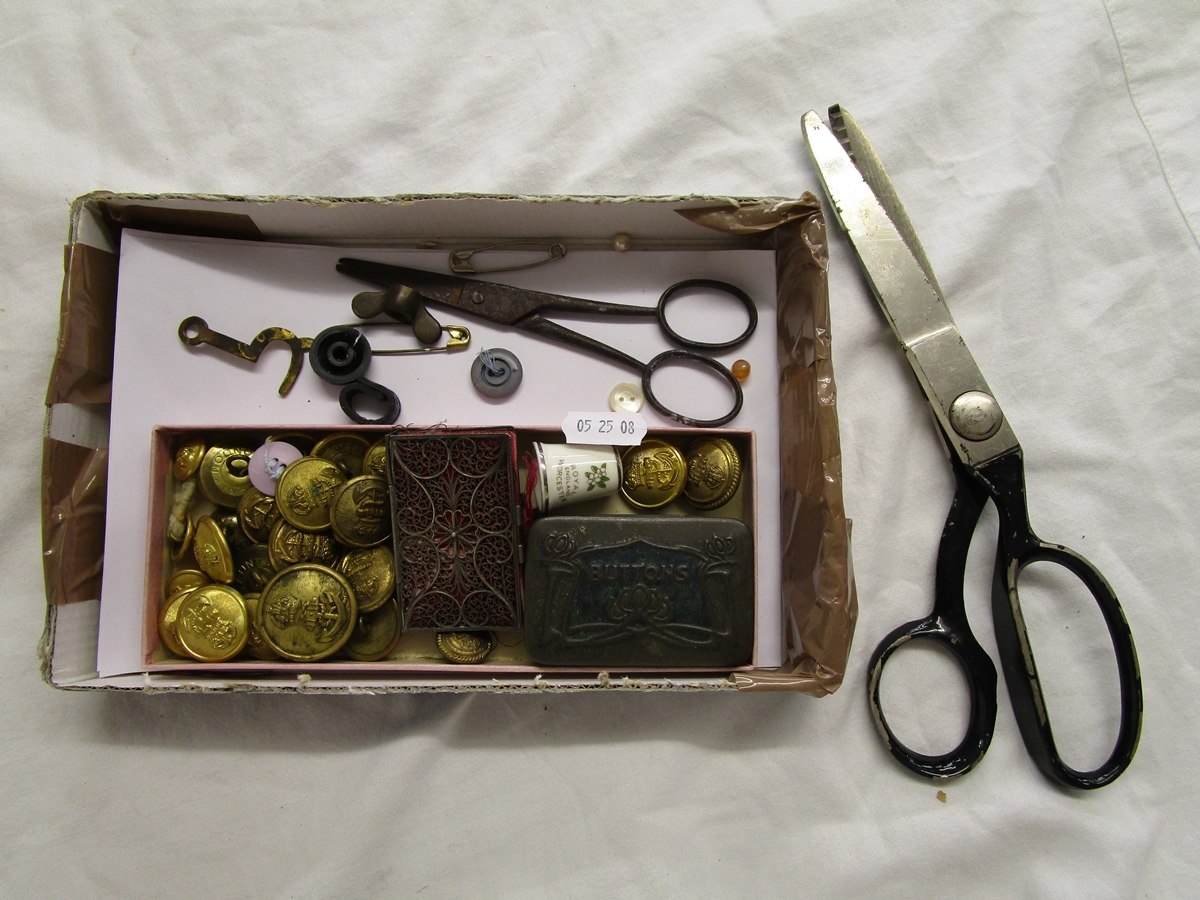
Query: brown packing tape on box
{"points": [[817, 576], [75, 478]]}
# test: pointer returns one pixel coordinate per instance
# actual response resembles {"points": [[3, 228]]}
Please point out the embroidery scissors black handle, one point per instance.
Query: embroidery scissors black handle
{"points": [[988, 465], [526, 310]]}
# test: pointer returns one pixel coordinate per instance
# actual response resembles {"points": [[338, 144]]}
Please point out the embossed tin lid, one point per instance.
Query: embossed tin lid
{"points": [[639, 591]]}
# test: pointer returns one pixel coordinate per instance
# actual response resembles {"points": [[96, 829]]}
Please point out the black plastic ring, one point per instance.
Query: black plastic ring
{"points": [[340, 354], [648, 373], [725, 288], [378, 392]]}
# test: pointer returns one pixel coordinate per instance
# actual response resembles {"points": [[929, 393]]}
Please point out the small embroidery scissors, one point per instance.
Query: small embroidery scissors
{"points": [[405, 289], [987, 463]]}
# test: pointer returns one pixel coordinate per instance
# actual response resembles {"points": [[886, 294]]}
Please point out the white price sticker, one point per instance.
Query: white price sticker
{"points": [[613, 429]]}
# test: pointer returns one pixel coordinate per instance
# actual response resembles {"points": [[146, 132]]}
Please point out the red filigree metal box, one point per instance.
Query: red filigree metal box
{"points": [[456, 527]]}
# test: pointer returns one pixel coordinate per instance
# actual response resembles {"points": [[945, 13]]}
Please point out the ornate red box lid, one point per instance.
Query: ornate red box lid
{"points": [[456, 525]]}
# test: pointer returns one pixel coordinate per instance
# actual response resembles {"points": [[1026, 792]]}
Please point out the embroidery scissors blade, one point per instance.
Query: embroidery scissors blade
{"points": [[987, 463], [525, 309]]}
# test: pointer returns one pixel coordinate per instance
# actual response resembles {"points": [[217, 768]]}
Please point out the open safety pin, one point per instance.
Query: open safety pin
{"points": [[460, 260], [194, 331]]}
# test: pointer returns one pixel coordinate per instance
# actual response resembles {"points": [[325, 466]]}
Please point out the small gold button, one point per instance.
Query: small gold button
{"points": [[654, 474], [305, 492], [187, 459], [376, 634], [346, 451], [359, 512], [465, 646], [212, 550], [211, 623], [224, 475], [372, 574], [307, 612], [714, 471]]}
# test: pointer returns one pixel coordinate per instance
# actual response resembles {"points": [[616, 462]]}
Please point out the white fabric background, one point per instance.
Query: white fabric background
{"points": [[1047, 155]]}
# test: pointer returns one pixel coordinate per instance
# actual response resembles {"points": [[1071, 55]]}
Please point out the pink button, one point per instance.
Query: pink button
{"points": [[268, 462]]}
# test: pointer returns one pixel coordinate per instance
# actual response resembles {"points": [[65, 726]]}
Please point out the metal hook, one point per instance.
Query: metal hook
{"points": [[460, 259], [194, 330]]}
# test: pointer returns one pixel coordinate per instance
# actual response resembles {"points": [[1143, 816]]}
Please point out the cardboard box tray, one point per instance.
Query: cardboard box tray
{"points": [[815, 606]]}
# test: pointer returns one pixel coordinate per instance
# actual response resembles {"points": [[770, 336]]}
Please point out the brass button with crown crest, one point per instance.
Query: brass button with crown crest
{"points": [[307, 612], [465, 646], [185, 580], [359, 512], [256, 644], [288, 546], [211, 623], [376, 634], [212, 550], [375, 462], [188, 458], [224, 475], [714, 471], [653, 474], [346, 451], [168, 614], [372, 574], [257, 513], [305, 492]]}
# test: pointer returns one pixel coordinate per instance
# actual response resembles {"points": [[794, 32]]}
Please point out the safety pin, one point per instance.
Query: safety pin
{"points": [[458, 337], [460, 259]]}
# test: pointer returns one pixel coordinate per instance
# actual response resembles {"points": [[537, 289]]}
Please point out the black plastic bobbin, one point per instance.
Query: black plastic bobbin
{"points": [[341, 355]]}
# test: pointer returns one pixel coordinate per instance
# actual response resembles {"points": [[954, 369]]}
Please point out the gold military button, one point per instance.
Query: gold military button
{"points": [[465, 646], [186, 544], [187, 459], [346, 451], [654, 474], [185, 580], [305, 492], [359, 512], [252, 568], [256, 644], [288, 546], [372, 574], [257, 513], [211, 623], [167, 617], [235, 535], [376, 634], [298, 439], [224, 475], [714, 471], [307, 612], [212, 550], [375, 462]]}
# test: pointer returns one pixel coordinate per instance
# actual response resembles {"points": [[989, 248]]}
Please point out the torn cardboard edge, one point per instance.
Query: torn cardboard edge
{"points": [[817, 579]]}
